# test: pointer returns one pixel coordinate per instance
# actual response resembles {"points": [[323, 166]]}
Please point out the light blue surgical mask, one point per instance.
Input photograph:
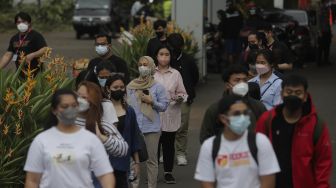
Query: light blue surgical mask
{"points": [[102, 81], [239, 124]]}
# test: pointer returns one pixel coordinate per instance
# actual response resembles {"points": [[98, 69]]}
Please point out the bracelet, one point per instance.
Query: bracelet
{"points": [[136, 162]]}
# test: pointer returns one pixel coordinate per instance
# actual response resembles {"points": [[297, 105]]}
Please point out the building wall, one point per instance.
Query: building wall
{"points": [[188, 14]]}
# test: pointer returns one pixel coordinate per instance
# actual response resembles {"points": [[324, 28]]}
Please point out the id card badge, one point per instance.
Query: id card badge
{"points": [[15, 58]]}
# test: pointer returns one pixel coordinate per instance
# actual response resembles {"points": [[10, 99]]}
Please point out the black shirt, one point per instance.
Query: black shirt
{"points": [[27, 43], [120, 64], [281, 53], [282, 136], [121, 124], [153, 46], [188, 69], [231, 25]]}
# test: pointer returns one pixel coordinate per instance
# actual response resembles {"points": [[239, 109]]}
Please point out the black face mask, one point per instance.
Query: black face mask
{"points": [[253, 46], [293, 103], [159, 34], [117, 94]]}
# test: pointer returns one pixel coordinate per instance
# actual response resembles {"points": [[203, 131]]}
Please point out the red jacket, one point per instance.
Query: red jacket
{"points": [[311, 165]]}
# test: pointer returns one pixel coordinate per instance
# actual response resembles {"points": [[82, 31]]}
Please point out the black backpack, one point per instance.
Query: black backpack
{"points": [[251, 140]]}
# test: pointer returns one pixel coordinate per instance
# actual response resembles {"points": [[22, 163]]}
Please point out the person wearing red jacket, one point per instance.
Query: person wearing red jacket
{"points": [[300, 139]]}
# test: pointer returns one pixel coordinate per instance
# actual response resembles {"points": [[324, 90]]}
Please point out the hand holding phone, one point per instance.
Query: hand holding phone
{"points": [[145, 91], [179, 99]]}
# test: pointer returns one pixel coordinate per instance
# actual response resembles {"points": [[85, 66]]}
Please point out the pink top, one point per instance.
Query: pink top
{"points": [[172, 81]]}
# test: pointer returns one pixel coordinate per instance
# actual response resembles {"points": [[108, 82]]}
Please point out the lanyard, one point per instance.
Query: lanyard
{"points": [[21, 41], [263, 93]]}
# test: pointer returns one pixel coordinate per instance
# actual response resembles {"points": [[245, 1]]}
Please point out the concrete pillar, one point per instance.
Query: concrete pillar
{"points": [[278, 4], [213, 7], [188, 15]]}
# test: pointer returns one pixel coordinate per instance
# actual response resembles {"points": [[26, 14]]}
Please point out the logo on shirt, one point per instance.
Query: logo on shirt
{"points": [[64, 154], [222, 160], [63, 158], [24, 44], [234, 160]]}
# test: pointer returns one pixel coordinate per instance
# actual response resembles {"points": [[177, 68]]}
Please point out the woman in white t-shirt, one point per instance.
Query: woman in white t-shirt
{"points": [[65, 154], [234, 165]]}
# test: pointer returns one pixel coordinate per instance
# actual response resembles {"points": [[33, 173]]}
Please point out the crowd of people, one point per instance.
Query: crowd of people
{"points": [[263, 132], [132, 120]]}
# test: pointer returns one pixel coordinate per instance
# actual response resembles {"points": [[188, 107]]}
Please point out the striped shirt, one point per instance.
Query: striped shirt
{"points": [[115, 145]]}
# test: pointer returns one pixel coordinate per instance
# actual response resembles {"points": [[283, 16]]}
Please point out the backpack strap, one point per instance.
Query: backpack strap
{"points": [[215, 146], [263, 93], [319, 126], [252, 143]]}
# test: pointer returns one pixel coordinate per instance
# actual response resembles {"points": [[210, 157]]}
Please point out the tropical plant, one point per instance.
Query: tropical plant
{"points": [[24, 107], [133, 44]]}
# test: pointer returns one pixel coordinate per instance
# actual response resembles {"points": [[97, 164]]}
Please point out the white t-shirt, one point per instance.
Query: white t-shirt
{"points": [[235, 166], [110, 114], [67, 160], [136, 7]]}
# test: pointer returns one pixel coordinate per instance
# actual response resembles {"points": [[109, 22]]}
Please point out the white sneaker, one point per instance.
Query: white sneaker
{"points": [[161, 159], [181, 160]]}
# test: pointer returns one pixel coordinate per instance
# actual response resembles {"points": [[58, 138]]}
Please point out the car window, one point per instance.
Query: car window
{"points": [[277, 18], [92, 12], [93, 4], [298, 16]]}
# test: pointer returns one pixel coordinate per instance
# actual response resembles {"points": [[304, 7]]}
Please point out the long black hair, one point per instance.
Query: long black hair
{"points": [[55, 101]]}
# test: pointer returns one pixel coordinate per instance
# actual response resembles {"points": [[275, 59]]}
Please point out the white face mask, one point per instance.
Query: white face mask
{"points": [[262, 69], [84, 105], [144, 71], [22, 27], [240, 89], [239, 124], [102, 50]]}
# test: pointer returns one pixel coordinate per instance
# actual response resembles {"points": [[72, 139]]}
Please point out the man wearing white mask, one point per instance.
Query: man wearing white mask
{"points": [[27, 41], [235, 82], [104, 51]]}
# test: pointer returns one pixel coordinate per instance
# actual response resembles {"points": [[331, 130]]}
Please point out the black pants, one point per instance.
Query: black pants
{"points": [[167, 142], [324, 42], [121, 179]]}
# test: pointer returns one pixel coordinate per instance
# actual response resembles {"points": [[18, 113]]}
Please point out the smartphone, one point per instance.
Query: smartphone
{"points": [[145, 91]]}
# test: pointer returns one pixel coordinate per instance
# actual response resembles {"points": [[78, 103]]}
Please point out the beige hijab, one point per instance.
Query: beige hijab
{"points": [[141, 83]]}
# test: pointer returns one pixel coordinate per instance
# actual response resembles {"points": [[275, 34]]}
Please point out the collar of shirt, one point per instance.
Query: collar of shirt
{"points": [[169, 70], [179, 57], [270, 79]]}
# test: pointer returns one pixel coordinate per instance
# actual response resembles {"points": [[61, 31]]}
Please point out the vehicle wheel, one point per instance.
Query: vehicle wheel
{"points": [[78, 35]]}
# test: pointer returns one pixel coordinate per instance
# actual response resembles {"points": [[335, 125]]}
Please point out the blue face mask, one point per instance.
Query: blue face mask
{"points": [[239, 124], [102, 81]]}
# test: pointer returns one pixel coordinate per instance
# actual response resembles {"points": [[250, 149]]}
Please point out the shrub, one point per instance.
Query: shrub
{"points": [[24, 107]]}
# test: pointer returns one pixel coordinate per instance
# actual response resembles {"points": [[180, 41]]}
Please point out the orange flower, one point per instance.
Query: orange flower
{"points": [[10, 153], [18, 129], [20, 114], [5, 130]]}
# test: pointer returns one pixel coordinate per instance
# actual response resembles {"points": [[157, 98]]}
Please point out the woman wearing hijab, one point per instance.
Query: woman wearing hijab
{"points": [[148, 98]]}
